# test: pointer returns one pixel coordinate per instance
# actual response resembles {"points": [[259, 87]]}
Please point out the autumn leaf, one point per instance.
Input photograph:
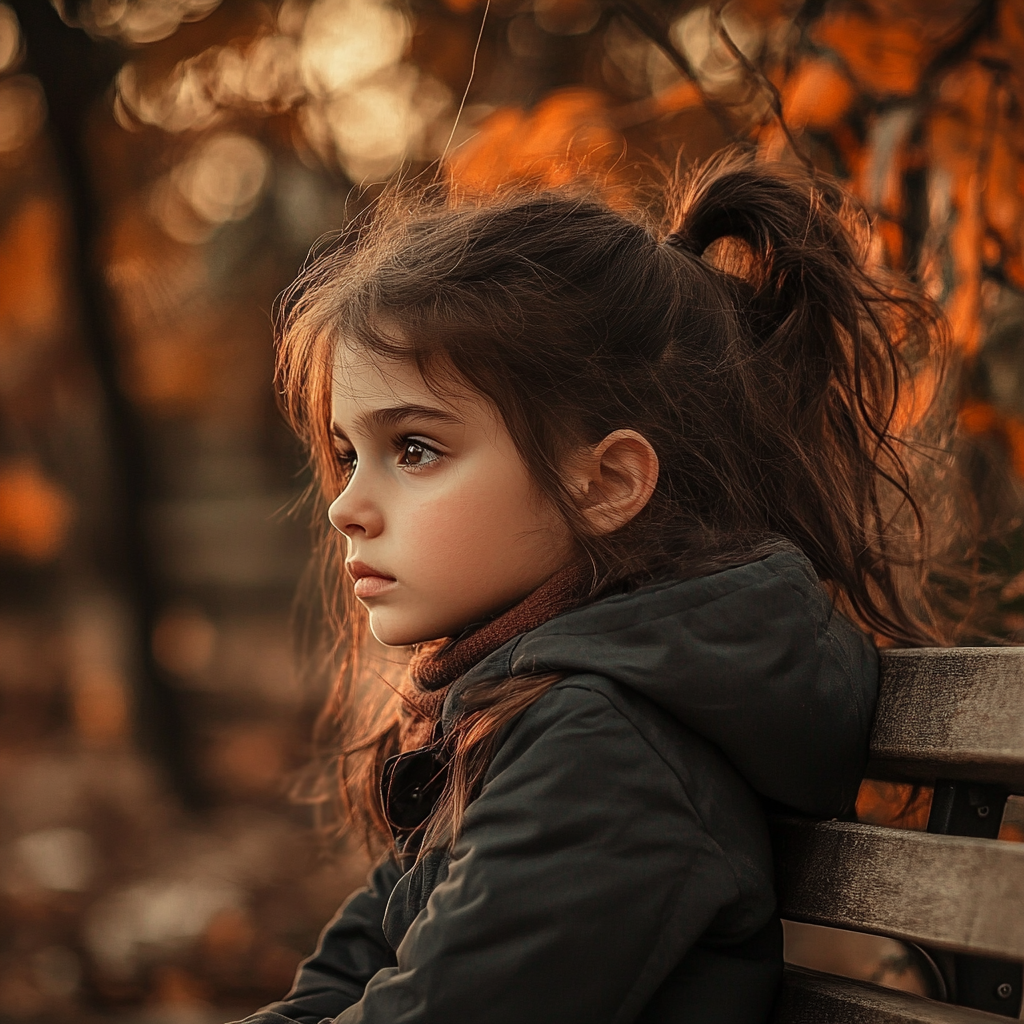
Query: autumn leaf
{"points": [[981, 418], [885, 58], [30, 300], [566, 136], [894, 804], [817, 95], [35, 513]]}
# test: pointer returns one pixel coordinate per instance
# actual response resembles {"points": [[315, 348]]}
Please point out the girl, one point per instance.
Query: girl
{"points": [[624, 493]]}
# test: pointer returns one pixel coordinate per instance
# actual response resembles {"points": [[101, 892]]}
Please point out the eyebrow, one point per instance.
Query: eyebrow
{"points": [[395, 414]]}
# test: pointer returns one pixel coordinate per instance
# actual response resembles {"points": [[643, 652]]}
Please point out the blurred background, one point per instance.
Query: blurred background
{"points": [[165, 166]]}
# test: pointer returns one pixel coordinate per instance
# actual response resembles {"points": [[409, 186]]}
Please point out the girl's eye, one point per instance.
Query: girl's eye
{"points": [[346, 465], [415, 453]]}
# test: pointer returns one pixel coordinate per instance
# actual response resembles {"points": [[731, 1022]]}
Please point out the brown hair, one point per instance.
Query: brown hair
{"points": [[742, 336]]}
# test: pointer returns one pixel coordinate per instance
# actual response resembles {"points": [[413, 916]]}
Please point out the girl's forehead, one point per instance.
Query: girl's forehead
{"points": [[364, 381], [361, 375]]}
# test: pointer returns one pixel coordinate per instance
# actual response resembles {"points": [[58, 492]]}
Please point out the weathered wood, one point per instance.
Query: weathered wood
{"points": [[949, 892], [808, 997], [955, 713]]}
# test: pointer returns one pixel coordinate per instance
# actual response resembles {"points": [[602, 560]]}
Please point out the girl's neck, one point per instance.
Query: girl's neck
{"points": [[437, 663]]}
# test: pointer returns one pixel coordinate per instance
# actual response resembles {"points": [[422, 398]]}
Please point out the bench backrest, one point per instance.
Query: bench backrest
{"points": [[947, 717]]}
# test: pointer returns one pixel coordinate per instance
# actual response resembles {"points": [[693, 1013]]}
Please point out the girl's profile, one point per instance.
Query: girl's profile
{"points": [[632, 494]]}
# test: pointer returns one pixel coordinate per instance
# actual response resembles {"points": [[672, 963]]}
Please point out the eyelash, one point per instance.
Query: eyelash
{"points": [[401, 444]]}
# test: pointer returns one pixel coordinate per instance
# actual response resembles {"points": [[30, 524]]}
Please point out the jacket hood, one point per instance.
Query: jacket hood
{"points": [[752, 658]]}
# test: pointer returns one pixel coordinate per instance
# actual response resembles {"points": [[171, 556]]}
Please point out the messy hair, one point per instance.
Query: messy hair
{"points": [[743, 335]]}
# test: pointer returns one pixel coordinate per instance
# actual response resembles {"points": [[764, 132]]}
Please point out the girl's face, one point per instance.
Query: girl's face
{"points": [[445, 525]]}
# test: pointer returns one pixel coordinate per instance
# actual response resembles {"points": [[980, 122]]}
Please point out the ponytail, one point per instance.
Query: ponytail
{"points": [[826, 354]]}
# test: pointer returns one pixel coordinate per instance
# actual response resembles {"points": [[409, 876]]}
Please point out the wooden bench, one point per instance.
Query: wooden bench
{"points": [[953, 719]]}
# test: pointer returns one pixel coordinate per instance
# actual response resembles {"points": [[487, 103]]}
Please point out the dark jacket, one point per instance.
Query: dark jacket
{"points": [[616, 866]]}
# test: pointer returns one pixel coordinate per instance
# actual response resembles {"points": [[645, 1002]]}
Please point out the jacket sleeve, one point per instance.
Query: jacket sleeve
{"points": [[352, 949], [582, 876]]}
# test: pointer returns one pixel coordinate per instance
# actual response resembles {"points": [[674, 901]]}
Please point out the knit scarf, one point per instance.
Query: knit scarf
{"points": [[435, 665]]}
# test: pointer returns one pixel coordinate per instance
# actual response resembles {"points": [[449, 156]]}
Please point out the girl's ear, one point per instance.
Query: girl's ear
{"points": [[614, 480]]}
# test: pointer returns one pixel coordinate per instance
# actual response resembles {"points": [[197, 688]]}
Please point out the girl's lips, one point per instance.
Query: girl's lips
{"points": [[372, 586]]}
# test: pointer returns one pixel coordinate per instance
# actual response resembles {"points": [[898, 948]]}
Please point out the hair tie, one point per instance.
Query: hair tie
{"points": [[683, 241]]}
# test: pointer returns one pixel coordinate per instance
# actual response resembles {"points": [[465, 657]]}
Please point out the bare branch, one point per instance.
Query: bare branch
{"points": [[655, 29], [766, 85]]}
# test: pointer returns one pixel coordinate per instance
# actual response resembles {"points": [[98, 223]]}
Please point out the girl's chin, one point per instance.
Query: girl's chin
{"points": [[394, 631], [399, 634]]}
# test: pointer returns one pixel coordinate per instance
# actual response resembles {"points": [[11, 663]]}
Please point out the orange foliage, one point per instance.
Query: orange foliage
{"points": [[967, 136], [959, 122], [1013, 267], [1007, 42], [973, 158], [171, 367], [1002, 197], [174, 986], [1011, 832], [248, 759], [29, 256], [902, 805], [916, 400], [885, 58], [182, 352], [981, 418], [765, 11], [891, 236], [681, 96], [229, 941], [566, 136], [894, 804], [35, 513], [100, 709], [963, 306], [817, 95]]}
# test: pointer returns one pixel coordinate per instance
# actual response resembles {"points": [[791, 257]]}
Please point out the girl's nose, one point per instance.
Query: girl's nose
{"points": [[353, 514]]}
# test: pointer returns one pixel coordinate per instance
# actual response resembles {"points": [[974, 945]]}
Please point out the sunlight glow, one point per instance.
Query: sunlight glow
{"points": [[224, 178], [347, 41], [141, 21], [22, 112], [10, 38], [716, 67], [338, 64]]}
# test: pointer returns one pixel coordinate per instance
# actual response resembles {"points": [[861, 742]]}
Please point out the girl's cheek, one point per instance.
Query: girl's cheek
{"points": [[438, 529], [456, 534]]}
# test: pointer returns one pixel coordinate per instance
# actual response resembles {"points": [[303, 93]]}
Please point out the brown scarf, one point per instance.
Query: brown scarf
{"points": [[437, 664]]}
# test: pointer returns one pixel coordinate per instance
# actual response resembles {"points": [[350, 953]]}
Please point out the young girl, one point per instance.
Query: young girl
{"points": [[624, 493]]}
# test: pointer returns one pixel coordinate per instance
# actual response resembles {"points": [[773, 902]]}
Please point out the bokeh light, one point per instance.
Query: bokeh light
{"points": [[35, 512], [10, 38], [225, 176], [22, 112], [61, 859], [346, 41], [141, 21], [695, 34], [379, 125], [184, 640]]}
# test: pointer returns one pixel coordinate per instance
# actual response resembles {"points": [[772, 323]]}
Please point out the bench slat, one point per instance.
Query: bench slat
{"points": [[955, 713], [964, 895], [808, 997]]}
